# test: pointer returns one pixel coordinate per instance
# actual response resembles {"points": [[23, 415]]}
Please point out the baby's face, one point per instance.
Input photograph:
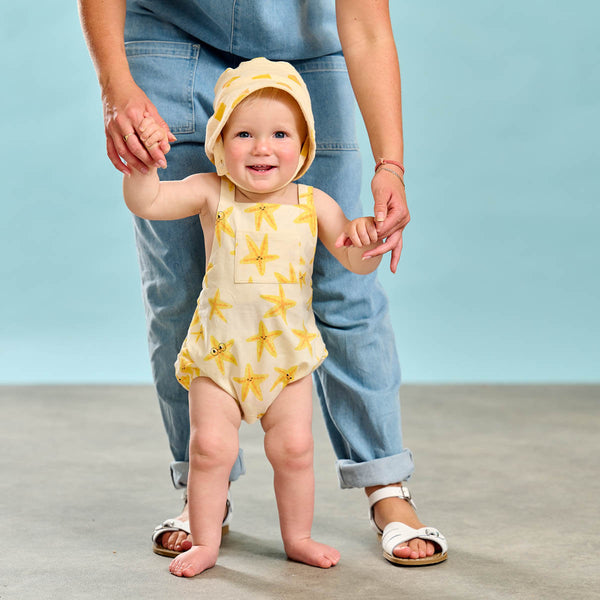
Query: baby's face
{"points": [[262, 141]]}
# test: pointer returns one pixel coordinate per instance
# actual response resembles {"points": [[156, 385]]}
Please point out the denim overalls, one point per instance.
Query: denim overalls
{"points": [[176, 51]]}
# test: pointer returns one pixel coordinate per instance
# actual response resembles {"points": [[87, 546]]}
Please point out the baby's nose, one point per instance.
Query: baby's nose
{"points": [[262, 146]]}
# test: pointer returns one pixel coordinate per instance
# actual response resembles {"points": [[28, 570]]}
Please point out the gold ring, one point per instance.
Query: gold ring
{"points": [[126, 136]]}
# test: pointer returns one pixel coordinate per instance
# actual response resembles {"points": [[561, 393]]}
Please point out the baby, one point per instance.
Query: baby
{"points": [[253, 342]]}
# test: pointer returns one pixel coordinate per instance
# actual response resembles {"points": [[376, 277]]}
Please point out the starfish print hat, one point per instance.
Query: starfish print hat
{"points": [[236, 84]]}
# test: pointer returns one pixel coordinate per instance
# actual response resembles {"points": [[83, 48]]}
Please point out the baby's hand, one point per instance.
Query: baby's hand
{"points": [[359, 233], [151, 133]]}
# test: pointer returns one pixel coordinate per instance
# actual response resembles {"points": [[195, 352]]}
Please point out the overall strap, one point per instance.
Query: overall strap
{"points": [[227, 195], [305, 194]]}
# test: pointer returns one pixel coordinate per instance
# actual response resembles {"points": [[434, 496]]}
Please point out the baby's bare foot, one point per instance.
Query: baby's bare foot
{"points": [[194, 561], [312, 553]]}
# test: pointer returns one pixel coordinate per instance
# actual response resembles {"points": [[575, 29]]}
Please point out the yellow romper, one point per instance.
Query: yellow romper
{"points": [[254, 331]]}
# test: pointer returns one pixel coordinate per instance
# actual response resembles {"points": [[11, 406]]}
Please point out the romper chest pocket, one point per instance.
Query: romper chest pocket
{"points": [[266, 257]]}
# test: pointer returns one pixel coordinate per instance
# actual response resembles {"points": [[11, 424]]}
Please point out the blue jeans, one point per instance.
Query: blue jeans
{"points": [[358, 384]]}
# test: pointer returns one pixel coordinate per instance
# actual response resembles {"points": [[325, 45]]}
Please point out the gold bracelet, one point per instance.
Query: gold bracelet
{"points": [[392, 172]]}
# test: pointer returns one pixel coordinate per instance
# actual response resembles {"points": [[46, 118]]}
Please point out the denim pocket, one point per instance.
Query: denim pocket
{"points": [[165, 71], [332, 101]]}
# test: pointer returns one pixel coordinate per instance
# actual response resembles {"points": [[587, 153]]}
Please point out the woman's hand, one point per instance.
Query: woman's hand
{"points": [[391, 212], [125, 106]]}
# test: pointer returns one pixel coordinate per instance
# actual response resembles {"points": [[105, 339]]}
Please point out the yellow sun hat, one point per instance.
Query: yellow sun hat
{"points": [[236, 84]]}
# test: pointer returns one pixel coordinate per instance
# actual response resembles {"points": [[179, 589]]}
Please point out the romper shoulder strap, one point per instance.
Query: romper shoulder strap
{"points": [[305, 194], [227, 196]]}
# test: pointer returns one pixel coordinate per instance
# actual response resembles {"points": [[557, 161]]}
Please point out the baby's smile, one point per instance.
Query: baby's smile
{"points": [[261, 168]]}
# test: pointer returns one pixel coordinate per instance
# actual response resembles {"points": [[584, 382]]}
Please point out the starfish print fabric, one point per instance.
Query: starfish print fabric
{"points": [[253, 331]]}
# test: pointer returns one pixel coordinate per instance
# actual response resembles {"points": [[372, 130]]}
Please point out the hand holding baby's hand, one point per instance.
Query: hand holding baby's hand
{"points": [[153, 136], [358, 233]]}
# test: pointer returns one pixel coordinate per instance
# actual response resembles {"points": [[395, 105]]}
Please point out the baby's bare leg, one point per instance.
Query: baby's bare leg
{"points": [[215, 420], [289, 448]]}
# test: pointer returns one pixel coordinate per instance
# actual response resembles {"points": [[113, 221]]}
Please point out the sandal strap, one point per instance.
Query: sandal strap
{"points": [[396, 491], [229, 508], [397, 533], [399, 491], [168, 526], [176, 525]]}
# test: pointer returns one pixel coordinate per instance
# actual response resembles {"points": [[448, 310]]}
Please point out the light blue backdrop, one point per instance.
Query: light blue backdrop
{"points": [[499, 276]]}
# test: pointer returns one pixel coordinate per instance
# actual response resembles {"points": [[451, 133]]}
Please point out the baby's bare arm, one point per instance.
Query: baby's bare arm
{"points": [[349, 241], [149, 198]]}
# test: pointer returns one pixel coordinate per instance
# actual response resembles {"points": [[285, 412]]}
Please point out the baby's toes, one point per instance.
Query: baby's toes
{"points": [[328, 559], [188, 571], [176, 567]]}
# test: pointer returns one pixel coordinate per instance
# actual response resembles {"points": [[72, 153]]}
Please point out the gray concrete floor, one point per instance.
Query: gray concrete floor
{"points": [[508, 473]]}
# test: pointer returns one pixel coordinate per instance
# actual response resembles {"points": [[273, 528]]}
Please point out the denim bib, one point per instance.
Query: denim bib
{"points": [[277, 29]]}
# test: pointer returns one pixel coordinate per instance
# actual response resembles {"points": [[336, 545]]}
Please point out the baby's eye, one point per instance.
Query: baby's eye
{"points": [[243, 134], [280, 134]]}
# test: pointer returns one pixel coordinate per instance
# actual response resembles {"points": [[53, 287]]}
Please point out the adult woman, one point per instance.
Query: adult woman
{"points": [[172, 57]]}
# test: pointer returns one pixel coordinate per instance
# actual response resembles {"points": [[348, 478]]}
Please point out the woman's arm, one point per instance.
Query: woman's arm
{"points": [[367, 39], [124, 103]]}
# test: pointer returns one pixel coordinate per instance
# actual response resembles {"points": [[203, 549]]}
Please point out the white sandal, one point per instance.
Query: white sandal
{"points": [[396, 532], [172, 525]]}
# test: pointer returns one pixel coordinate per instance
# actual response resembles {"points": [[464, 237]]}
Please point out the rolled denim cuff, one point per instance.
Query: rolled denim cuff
{"points": [[380, 471], [180, 470], [179, 473]]}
